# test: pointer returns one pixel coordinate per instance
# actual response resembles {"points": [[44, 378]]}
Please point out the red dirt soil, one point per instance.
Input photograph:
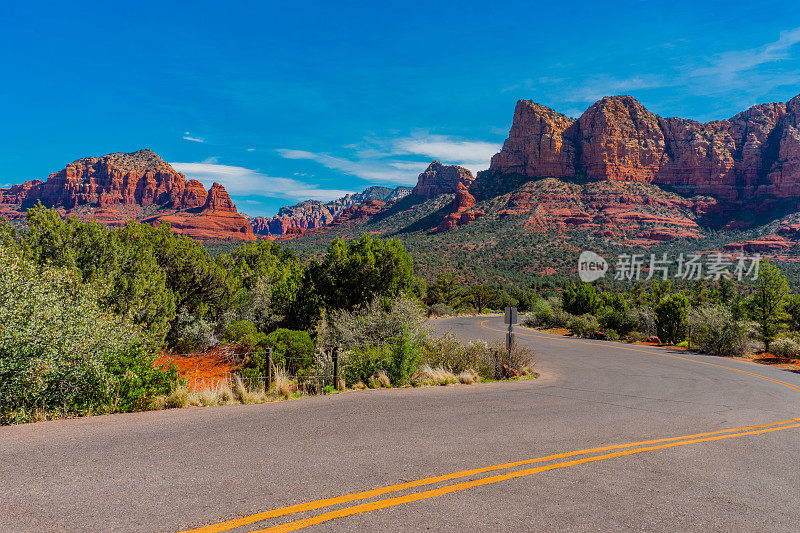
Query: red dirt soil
{"points": [[202, 370]]}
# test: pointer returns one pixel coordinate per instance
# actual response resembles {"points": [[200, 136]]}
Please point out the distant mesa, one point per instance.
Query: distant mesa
{"points": [[313, 214], [619, 173], [140, 186]]}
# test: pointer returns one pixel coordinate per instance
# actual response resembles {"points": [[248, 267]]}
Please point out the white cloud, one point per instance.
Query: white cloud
{"points": [[366, 169], [738, 78], [240, 181], [729, 64], [474, 155], [379, 160], [188, 137]]}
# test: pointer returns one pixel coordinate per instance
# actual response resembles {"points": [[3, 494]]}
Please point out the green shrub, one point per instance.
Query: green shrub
{"points": [[672, 318], [377, 322], [635, 336], [293, 350], [405, 354], [56, 345], [540, 314], [611, 335], [786, 347], [716, 332], [441, 310], [644, 320], [136, 381], [191, 333], [362, 362], [583, 326], [238, 330], [580, 299], [496, 355], [615, 319], [447, 351]]}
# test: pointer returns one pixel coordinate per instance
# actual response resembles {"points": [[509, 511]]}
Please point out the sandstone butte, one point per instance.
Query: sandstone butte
{"points": [[140, 186], [622, 171], [750, 160]]}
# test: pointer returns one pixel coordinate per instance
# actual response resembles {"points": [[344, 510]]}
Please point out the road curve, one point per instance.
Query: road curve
{"points": [[610, 437]]}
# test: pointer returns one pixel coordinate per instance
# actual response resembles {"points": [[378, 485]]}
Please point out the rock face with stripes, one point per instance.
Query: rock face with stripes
{"points": [[442, 179], [132, 186], [746, 159]]}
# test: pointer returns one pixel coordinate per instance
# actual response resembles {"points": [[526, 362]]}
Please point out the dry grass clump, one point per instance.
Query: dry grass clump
{"points": [[179, 397], [437, 376], [359, 386], [282, 385], [527, 369], [379, 379], [209, 396], [246, 395], [223, 394], [468, 377], [383, 379]]}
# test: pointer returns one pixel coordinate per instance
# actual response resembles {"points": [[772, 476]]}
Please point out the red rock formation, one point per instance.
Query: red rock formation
{"points": [[115, 187], [194, 195], [462, 212], [629, 213], [312, 214], [767, 243], [441, 179], [17, 194], [359, 212], [218, 199], [752, 156], [536, 144]]}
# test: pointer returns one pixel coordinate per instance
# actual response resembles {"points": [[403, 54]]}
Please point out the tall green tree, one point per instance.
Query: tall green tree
{"points": [[485, 297], [672, 318], [134, 283], [580, 299], [767, 304], [447, 289], [353, 273]]}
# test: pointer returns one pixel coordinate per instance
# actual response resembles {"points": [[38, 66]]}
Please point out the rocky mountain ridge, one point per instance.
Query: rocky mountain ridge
{"points": [[751, 159], [312, 214], [132, 186], [627, 176]]}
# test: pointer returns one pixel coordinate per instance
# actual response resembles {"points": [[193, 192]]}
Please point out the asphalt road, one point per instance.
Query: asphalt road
{"points": [[173, 470]]}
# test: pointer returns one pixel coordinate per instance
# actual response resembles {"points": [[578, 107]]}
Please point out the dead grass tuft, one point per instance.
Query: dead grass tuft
{"points": [[282, 385], [468, 377], [437, 376]]}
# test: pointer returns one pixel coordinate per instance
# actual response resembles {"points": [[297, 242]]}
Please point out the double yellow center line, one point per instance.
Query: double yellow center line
{"points": [[616, 450]]}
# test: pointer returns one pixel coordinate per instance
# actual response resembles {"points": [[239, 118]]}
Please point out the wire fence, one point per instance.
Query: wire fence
{"points": [[304, 377]]}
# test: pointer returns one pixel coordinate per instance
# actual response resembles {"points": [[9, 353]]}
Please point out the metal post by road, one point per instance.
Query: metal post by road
{"points": [[335, 357], [510, 343], [269, 367]]}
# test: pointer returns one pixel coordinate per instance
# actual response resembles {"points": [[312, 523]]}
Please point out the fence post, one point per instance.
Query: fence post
{"points": [[335, 356], [269, 367]]}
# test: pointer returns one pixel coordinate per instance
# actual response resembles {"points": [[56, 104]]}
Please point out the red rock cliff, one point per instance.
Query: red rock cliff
{"points": [[441, 179], [113, 188], [753, 155]]}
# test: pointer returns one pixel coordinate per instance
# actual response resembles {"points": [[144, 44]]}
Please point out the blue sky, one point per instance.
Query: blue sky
{"points": [[283, 101]]}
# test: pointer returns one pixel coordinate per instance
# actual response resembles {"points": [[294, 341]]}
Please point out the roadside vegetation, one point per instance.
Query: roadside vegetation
{"points": [[85, 311], [714, 317]]}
